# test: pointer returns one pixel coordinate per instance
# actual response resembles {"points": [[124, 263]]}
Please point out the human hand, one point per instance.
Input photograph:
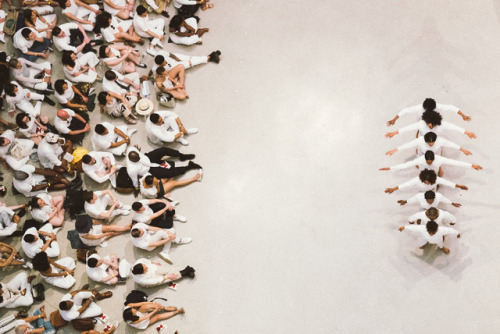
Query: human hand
{"points": [[391, 122], [390, 190], [462, 187], [391, 134], [385, 168], [471, 135], [402, 202], [85, 99], [401, 229], [391, 152], [477, 167], [43, 55], [457, 205]]}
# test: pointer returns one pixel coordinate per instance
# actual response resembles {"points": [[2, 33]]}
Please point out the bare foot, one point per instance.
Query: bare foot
{"points": [[181, 310], [31, 278]]}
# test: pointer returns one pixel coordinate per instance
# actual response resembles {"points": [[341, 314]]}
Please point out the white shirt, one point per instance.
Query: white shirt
{"points": [[49, 154], [31, 129], [98, 168], [67, 95], [22, 43], [419, 110], [10, 226], [103, 142], [423, 146], [112, 86], [63, 43], [100, 272], [95, 209], [141, 25], [420, 199], [24, 74], [145, 239], [147, 192], [14, 163], [145, 216], [150, 278], [116, 54], [179, 3], [32, 249], [422, 127], [63, 126], [43, 214], [25, 187], [424, 236], [443, 216], [415, 182], [73, 313], [161, 133], [137, 169], [20, 96], [438, 162]]}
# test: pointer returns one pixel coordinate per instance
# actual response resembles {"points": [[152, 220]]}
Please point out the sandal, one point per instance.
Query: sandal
{"points": [[107, 294]]}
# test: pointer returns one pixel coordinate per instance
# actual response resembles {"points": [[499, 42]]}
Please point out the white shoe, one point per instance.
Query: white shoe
{"points": [[166, 258], [174, 203], [104, 244], [125, 212], [151, 52], [28, 264], [98, 36], [183, 141], [112, 179], [57, 229], [180, 218], [91, 91], [2, 38], [160, 45], [201, 175], [192, 131], [126, 207], [183, 241]]}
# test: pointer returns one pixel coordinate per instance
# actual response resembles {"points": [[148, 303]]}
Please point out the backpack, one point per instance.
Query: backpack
{"points": [[136, 296], [74, 203]]}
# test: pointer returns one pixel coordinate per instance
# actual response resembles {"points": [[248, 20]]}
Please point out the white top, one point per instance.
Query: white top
{"points": [[144, 217], [22, 43], [24, 187], [98, 168], [140, 168], [63, 126], [420, 199], [103, 142], [32, 249], [63, 43], [43, 214], [432, 239], [99, 206], [73, 313], [112, 86], [31, 129], [419, 110], [72, 9], [443, 216], [49, 154], [116, 54], [10, 227], [423, 146], [179, 3], [26, 143], [140, 325], [100, 272], [422, 127], [150, 278], [141, 25], [147, 192], [67, 95], [23, 74], [415, 182], [161, 133], [145, 239], [438, 162], [21, 95]]}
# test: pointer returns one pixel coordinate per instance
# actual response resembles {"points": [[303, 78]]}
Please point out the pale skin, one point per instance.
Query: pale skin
{"points": [[112, 271], [64, 116], [40, 330], [109, 168], [124, 12], [444, 249], [129, 35], [81, 4], [177, 76], [109, 231], [154, 311], [84, 69], [56, 218], [123, 100], [129, 57], [37, 137], [45, 79], [32, 37], [171, 183], [50, 25], [116, 204], [157, 214], [167, 277], [86, 39]]}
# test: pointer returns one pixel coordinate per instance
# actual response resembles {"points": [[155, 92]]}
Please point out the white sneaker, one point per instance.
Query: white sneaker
{"points": [[183, 241], [125, 212], [166, 258], [151, 52], [192, 131], [160, 45], [174, 203], [2, 38], [126, 207], [112, 179], [200, 171], [183, 141], [91, 91], [28, 264], [180, 218], [131, 132]]}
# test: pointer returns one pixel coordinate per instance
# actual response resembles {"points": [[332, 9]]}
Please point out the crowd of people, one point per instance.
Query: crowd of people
{"points": [[432, 224], [94, 41]]}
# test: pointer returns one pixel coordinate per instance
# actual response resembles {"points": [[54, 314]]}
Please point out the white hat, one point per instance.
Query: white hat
{"points": [[51, 138], [144, 107]]}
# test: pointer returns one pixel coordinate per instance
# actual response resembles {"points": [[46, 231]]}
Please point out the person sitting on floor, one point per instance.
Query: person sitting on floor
{"points": [[141, 315], [44, 240], [99, 166], [149, 274], [58, 273], [108, 138], [93, 233], [47, 208], [107, 269], [164, 126], [97, 202]]}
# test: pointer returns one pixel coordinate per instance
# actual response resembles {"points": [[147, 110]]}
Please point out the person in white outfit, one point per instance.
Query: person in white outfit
{"points": [[31, 127], [42, 20], [170, 60], [426, 180], [7, 140], [17, 292], [185, 31], [116, 30], [72, 125], [31, 43], [99, 166], [164, 126], [429, 142], [127, 85], [97, 203], [149, 28], [19, 97], [116, 106], [9, 219], [30, 74], [148, 274], [434, 214], [190, 7], [428, 104], [81, 68], [72, 305], [46, 208], [80, 12], [431, 121], [120, 58], [107, 269], [119, 8], [110, 138], [431, 233], [52, 150], [32, 242], [72, 37], [428, 199], [3, 16], [31, 181], [93, 233], [58, 273]]}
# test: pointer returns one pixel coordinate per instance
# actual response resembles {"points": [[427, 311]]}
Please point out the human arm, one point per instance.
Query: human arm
{"points": [[405, 111], [458, 163], [453, 127], [405, 185]]}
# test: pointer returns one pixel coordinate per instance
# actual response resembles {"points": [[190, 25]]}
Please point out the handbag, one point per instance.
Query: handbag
{"points": [[83, 324], [9, 27], [166, 100], [56, 320], [18, 151], [83, 254]]}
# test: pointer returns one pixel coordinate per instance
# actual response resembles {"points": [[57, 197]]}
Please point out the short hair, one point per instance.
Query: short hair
{"points": [[429, 104], [160, 70], [3, 56], [29, 238], [431, 227], [13, 62], [56, 31], [136, 206], [64, 305], [432, 213], [102, 51], [432, 117], [138, 269], [102, 98], [58, 86], [19, 120], [100, 129], [1, 299], [110, 75], [136, 233], [154, 117], [134, 156], [429, 155], [141, 9], [159, 60], [430, 137], [149, 179], [9, 89], [429, 194], [87, 195], [92, 262], [428, 175], [26, 32], [2, 141], [41, 262], [86, 159], [175, 22], [129, 316]]}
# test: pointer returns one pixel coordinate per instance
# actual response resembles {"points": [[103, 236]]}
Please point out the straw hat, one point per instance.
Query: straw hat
{"points": [[144, 107]]}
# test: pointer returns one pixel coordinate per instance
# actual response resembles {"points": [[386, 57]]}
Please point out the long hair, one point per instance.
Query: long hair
{"points": [[66, 58]]}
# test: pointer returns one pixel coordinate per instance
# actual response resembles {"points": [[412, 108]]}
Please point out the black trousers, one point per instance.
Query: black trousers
{"points": [[166, 220], [188, 10], [75, 125], [161, 172], [76, 38]]}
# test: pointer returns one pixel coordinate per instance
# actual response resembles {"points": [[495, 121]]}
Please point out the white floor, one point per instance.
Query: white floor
{"points": [[292, 230]]}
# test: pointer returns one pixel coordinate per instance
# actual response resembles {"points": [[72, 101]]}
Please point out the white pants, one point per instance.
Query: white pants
{"points": [[63, 282], [34, 71], [53, 249], [187, 40], [26, 106], [134, 77], [88, 58], [83, 12], [157, 27], [120, 150], [20, 282], [92, 311], [187, 61]]}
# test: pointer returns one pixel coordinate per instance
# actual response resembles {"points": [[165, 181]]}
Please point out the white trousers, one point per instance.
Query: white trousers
{"points": [[83, 12], [187, 61], [187, 40], [20, 282], [53, 249], [34, 71], [157, 27], [63, 282], [26, 106]]}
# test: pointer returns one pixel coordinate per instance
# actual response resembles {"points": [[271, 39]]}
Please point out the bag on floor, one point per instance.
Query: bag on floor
{"points": [[83, 324], [166, 100], [83, 254], [56, 320], [136, 296], [9, 27]]}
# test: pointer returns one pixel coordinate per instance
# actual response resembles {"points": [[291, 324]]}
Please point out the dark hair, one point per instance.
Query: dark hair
{"points": [[432, 117], [141, 9], [41, 262], [2, 140], [430, 137], [102, 98], [429, 194], [431, 226], [136, 233], [149, 179], [129, 316], [1, 299], [102, 51], [429, 155], [432, 213], [56, 31], [176, 22], [27, 16], [100, 129], [25, 32], [87, 195], [160, 70], [66, 58], [110, 75], [154, 117], [13, 62], [134, 156], [428, 175], [86, 159], [29, 238], [19, 120], [9, 89], [62, 3], [136, 206], [92, 262], [64, 305], [159, 60], [33, 203], [138, 269], [429, 104], [3, 56], [102, 22], [58, 86]]}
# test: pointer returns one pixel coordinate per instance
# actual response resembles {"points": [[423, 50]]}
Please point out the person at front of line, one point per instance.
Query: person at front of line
{"points": [[72, 37], [431, 121], [72, 125], [428, 199], [17, 292], [93, 233], [431, 161], [165, 126], [431, 233], [427, 180], [58, 273], [150, 274], [20, 98], [32, 242], [31, 44], [108, 138], [99, 166], [141, 315], [428, 104], [77, 10], [97, 202], [116, 106], [434, 214], [9, 218], [105, 269], [429, 142], [79, 305], [30, 74]]}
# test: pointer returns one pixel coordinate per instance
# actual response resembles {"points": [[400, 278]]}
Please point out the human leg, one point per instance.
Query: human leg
{"points": [[165, 316]]}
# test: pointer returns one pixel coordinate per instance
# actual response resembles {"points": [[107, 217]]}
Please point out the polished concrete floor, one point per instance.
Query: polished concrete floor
{"points": [[292, 230]]}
